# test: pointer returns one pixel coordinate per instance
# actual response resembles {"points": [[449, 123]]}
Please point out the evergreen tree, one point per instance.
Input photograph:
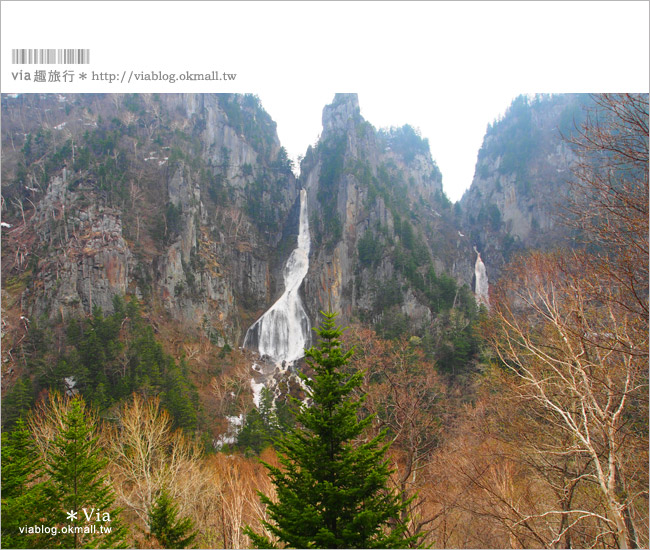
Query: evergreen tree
{"points": [[170, 532], [22, 495], [77, 493], [17, 402], [254, 436], [331, 492], [261, 426]]}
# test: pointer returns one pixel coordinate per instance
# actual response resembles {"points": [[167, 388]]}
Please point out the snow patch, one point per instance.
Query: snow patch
{"points": [[257, 391], [235, 424]]}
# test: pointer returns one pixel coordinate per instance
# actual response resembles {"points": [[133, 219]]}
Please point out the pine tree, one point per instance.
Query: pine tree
{"points": [[17, 402], [22, 494], [261, 427], [332, 492], [77, 493], [170, 532]]}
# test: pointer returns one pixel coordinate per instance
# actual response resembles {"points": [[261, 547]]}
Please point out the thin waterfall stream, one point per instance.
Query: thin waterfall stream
{"points": [[281, 334], [481, 290]]}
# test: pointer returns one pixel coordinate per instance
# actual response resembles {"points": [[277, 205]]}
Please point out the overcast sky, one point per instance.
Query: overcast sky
{"points": [[447, 68], [451, 68], [454, 125]]}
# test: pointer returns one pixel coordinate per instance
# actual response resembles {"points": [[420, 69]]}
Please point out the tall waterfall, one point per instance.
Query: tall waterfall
{"points": [[283, 331], [481, 290]]}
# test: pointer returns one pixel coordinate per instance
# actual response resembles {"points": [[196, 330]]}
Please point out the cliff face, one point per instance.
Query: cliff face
{"points": [[520, 180], [382, 229], [178, 199], [189, 203]]}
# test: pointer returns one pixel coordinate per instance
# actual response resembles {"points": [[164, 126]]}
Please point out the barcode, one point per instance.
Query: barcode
{"points": [[50, 56]]}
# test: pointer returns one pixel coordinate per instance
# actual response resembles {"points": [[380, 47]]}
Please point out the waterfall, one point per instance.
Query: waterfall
{"points": [[282, 333], [481, 290]]}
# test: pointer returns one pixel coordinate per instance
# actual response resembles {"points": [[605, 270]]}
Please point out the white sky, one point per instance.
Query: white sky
{"points": [[454, 137], [447, 68]]}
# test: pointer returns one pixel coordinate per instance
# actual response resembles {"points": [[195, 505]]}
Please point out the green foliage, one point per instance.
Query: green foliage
{"points": [[36, 146], [490, 215], [332, 154], [262, 197], [282, 163], [247, 116], [22, 497], [443, 200], [17, 402], [265, 424], [261, 425], [215, 185], [520, 137], [109, 358], [406, 141], [255, 436], [103, 141], [164, 524], [393, 324], [510, 246], [179, 396], [167, 228], [332, 493], [370, 249], [521, 140], [574, 115], [454, 342], [75, 463], [133, 103], [26, 149], [440, 290], [388, 294]]}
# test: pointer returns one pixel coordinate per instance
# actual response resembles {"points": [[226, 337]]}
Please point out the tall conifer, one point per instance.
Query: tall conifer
{"points": [[22, 494], [164, 523], [78, 490], [332, 492]]}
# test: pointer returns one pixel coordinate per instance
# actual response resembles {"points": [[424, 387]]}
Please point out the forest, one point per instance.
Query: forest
{"points": [[519, 425]]}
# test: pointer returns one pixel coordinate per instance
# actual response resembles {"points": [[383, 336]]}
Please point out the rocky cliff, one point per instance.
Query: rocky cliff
{"points": [[189, 203], [520, 183], [386, 240], [177, 199]]}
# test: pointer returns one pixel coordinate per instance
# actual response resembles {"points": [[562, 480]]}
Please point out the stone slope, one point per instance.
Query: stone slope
{"points": [[386, 241], [520, 182], [179, 199]]}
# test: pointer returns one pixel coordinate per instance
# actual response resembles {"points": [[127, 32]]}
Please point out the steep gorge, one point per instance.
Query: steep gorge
{"points": [[520, 186], [176, 199], [387, 246], [189, 204]]}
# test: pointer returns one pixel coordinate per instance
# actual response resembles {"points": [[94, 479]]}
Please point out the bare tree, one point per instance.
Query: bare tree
{"points": [[48, 419], [580, 364], [609, 193], [237, 481], [404, 391], [148, 454]]}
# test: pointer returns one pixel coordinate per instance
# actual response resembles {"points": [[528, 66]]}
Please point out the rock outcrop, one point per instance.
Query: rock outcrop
{"points": [[180, 199], [189, 202], [382, 226], [520, 181]]}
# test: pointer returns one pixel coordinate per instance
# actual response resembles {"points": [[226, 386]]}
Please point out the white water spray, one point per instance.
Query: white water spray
{"points": [[480, 272], [282, 333]]}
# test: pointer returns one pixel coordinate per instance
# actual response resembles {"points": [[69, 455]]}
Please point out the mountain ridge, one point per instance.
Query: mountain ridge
{"points": [[189, 204]]}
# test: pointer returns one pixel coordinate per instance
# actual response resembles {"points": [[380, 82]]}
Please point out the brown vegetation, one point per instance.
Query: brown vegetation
{"points": [[548, 448]]}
